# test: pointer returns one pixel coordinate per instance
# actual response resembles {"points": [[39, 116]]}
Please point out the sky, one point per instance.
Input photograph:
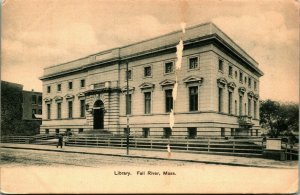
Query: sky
{"points": [[41, 33]]}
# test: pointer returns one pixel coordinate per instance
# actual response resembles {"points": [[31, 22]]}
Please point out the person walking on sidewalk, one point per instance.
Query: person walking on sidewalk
{"points": [[60, 141]]}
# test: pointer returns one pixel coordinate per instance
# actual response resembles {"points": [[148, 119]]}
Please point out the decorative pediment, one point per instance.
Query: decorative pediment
{"points": [[221, 82], [68, 96], [167, 82], [256, 96], [250, 94], [58, 98], [231, 86], [242, 90], [47, 99], [146, 86], [193, 79], [130, 89], [80, 95]]}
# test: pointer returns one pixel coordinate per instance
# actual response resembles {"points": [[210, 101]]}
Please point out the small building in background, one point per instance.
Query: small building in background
{"points": [[32, 105], [17, 107]]}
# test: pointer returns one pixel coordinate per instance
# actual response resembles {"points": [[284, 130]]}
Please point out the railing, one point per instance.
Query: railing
{"points": [[291, 152], [26, 139], [204, 145]]}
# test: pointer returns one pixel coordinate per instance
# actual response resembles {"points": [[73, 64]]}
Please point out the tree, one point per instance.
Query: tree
{"points": [[279, 118]]}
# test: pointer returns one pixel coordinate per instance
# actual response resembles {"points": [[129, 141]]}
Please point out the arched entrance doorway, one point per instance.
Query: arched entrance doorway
{"points": [[98, 111]]}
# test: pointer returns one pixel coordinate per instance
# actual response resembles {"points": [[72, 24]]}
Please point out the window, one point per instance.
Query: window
{"points": [[235, 74], [129, 75], [58, 87], [169, 100], [193, 62], [33, 100], [70, 84], [40, 111], [80, 130], [222, 132], [245, 80], [57, 131], [40, 100], [128, 104], [147, 96], [82, 108], [70, 109], [220, 100], [255, 109], [241, 77], [229, 102], [192, 132], [232, 132], [169, 67], [193, 98], [33, 111], [221, 64], [249, 82], [48, 111], [241, 105], [230, 71], [58, 110], [249, 107], [48, 89], [235, 107], [82, 83], [146, 132], [167, 132], [147, 71], [255, 85], [245, 109], [46, 131], [256, 132]]}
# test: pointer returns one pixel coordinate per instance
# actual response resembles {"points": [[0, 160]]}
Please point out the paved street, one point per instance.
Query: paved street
{"points": [[20, 157], [41, 171]]}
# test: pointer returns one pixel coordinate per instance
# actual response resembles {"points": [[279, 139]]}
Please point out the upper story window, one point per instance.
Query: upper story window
{"points": [[193, 62], [70, 85], [129, 75], [230, 71], [255, 85], [82, 83], [147, 71], [241, 77], [40, 100], [249, 82], [245, 80], [58, 87], [169, 67], [48, 89], [33, 100], [235, 74], [221, 65]]}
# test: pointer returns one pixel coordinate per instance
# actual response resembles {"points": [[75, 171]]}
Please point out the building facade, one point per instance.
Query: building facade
{"points": [[32, 105], [16, 110], [214, 93]]}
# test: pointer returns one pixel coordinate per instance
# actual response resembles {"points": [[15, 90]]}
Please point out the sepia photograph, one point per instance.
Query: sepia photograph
{"points": [[149, 96]]}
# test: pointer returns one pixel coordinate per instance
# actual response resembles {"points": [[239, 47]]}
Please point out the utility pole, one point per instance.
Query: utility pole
{"points": [[127, 113]]}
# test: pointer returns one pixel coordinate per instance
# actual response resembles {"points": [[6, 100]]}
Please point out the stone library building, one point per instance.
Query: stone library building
{"points": [[217, 89]]}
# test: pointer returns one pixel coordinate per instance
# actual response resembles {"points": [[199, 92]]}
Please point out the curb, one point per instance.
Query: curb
{"points": [[149, 157]]}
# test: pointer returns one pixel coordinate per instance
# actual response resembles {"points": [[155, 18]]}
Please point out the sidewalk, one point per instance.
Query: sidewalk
{"points": [[161, 155]]}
